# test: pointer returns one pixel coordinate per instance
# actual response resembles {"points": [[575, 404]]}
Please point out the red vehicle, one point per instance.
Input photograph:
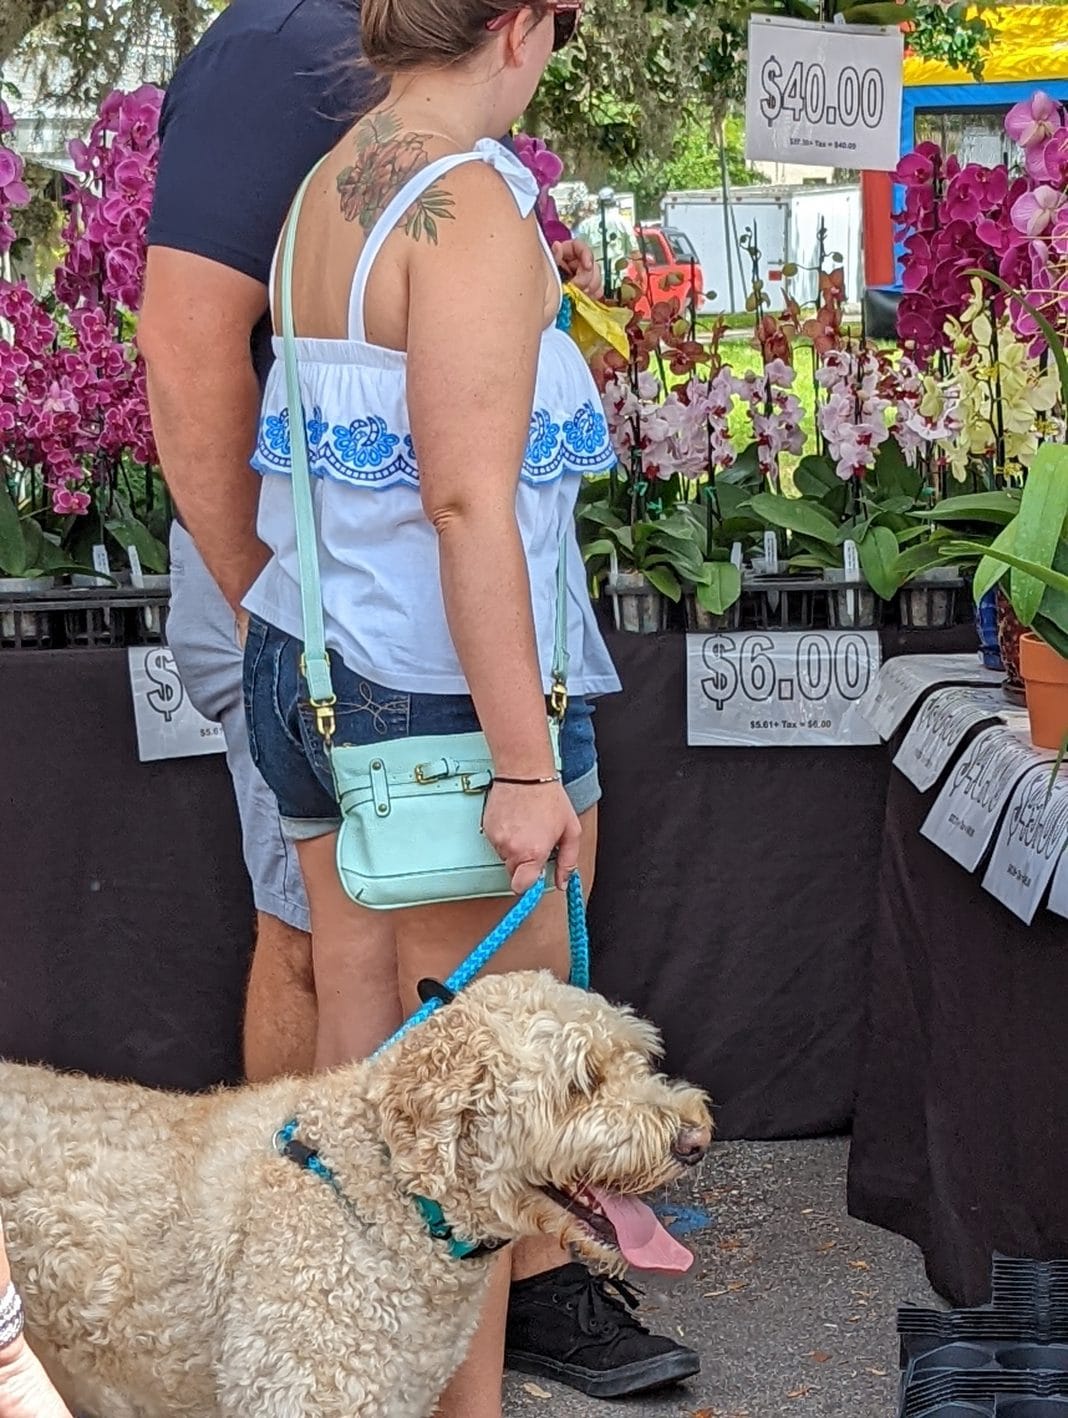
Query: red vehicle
{"points": [[665, 267]]}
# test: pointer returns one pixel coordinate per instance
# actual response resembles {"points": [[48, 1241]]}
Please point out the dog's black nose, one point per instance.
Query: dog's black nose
{"points": [[691, 1145]]}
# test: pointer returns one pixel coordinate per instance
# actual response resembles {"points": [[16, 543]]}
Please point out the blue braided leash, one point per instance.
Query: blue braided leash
{"points": [[461, 977], [286, 1140]]}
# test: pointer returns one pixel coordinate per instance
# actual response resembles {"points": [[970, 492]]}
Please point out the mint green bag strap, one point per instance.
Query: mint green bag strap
{"points": [[316, 662]]}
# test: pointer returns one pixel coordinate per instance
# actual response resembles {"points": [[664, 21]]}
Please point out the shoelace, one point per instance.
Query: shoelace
{"points": [[599, 1312]]}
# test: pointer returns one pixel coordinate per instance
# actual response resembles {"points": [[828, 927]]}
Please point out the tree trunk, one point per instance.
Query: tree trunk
{"points": [[19, 17]]}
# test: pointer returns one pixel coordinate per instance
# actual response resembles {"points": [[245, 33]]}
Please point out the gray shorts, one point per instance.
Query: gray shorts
{"points": [[202, 638]]}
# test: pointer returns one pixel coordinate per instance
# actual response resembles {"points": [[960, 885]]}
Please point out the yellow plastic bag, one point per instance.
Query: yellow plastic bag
{"points": [[596, 327]]}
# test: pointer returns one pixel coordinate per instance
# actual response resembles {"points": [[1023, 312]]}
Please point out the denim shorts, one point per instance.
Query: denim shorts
{"points": [[289, 752]]}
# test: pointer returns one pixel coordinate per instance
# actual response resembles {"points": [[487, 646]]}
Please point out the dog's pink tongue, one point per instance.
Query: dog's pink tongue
{"points": [[643, 1241]]}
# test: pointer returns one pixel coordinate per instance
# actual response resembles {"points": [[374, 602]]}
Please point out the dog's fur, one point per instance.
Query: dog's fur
{"points": [[175, 1265]]}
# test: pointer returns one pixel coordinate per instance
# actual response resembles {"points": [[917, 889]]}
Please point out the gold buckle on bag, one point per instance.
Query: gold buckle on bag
{"points": [[325, 723], [558, 700]]}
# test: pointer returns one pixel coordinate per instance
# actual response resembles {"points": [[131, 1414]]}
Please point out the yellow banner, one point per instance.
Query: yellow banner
{"points": [[1031, 44]]}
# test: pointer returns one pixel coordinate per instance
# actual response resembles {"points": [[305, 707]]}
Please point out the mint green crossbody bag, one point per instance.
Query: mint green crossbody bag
{"points": [[411, 809]]}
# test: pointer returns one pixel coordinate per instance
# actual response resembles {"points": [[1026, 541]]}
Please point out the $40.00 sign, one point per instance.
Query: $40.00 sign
{"points": [[823, 95], [791, 689]]}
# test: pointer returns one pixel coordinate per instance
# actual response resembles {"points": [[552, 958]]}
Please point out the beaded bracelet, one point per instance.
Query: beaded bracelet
{"points": [[12, 1318]]}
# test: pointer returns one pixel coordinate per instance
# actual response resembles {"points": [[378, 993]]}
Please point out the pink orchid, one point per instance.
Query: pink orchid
{"points": [[1034, 211], [1032, 120]]}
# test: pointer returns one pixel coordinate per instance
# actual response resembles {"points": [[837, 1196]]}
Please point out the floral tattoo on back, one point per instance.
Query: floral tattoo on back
{"points": [[386, 157]]}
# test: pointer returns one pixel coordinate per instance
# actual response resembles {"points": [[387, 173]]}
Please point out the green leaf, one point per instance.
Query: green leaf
{"points": [[599, 515], [1057, 579], [919, 558], [877, 14], [722, 589], [1051, 620], [129, 534], [664, 580], [878, 556], [601, 547], [1052, 633], [816, 472], [892, 475], [1039, 525], [794, 514], [891, 507], [996, 507], [13, 554]]}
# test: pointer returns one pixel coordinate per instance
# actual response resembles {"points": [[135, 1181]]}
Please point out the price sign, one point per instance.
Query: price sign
{"points": [[969, 807], [168, 726], [823, 95], [938, 728], [1030, 844], [792, 689], [903, 680]]}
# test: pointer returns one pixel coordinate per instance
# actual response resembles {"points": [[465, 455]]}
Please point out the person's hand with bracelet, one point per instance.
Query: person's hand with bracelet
{"points": [[527, 819], [25, 1389]]}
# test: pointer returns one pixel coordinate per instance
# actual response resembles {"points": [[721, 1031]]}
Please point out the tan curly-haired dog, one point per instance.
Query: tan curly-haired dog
{"points": [[175, 1264]]}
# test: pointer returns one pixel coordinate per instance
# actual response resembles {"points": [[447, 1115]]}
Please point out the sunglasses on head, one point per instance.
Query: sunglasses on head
{"points": [[566, 15]]}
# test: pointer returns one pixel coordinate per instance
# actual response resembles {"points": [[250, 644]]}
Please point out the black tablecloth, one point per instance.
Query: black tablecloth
{"points": [[734, 900], [125, 912], [960, 1132]]}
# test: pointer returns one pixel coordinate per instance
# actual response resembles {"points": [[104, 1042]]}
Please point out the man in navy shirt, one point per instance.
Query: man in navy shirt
{"points": [[271, 87]]}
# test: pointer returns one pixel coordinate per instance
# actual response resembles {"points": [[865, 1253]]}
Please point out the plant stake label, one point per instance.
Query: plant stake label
{"points": [[1030, 843], [823, 95], [969, 807], [137, 575], [168, 726], [100, 562], [771, 554], [939, 727], [793, 689], [905, 679]]}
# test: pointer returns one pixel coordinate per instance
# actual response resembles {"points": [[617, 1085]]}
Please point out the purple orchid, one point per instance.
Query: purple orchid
{"points": [[1033, 120]]}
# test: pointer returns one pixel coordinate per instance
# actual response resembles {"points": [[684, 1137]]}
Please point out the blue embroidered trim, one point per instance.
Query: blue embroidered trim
{"points": [[365, 453]]}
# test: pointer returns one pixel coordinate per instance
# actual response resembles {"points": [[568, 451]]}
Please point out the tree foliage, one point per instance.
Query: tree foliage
{"points": [[78, 49]]}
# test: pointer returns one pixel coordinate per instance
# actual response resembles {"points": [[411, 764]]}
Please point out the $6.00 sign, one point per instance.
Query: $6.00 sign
{"points": [[823, 95], [796, 689]]}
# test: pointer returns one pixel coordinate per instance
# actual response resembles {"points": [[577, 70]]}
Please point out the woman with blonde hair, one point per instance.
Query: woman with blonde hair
{"points": [[448, 424]]}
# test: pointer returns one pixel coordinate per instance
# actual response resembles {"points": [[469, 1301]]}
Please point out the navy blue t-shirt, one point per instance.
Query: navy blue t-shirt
{"points": [[269, 90]]}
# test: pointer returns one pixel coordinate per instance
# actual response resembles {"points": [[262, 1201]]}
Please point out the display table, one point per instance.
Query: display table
{"points": [[961, 1125], [125, 913], [733, 905]]}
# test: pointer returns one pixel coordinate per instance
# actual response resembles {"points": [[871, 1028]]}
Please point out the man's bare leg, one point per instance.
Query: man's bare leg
{"points": [[280, 1011]]}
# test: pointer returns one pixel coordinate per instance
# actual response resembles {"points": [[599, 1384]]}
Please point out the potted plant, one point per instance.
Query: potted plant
{"points": [[1032, 550]]}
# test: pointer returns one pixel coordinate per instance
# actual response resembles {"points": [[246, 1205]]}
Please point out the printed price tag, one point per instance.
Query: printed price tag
{"points": [[168, 726], [902, 681], [969, 807], [1030, 843], [792, 689], [823, 95], [939, 727]]}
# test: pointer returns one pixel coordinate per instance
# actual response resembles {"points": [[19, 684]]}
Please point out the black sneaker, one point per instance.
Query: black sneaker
{"points": [[580, 1330]]}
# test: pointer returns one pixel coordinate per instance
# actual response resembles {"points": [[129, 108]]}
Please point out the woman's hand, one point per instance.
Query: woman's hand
{"points": [[576, 260], [525, 825], [25, 1391]]}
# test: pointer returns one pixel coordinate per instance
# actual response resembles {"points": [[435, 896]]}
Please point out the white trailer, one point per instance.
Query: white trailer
{"points": [[786, 220]]}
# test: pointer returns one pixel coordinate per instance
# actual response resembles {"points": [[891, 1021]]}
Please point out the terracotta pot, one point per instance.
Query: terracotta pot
{"points": [[1045, 674]]}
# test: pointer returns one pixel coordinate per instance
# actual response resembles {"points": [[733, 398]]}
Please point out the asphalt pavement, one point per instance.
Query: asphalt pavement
{"points": [[790, 1303]]}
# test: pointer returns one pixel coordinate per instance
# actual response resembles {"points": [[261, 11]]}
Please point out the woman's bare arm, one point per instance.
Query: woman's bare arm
{"points": [[477, 307]]}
